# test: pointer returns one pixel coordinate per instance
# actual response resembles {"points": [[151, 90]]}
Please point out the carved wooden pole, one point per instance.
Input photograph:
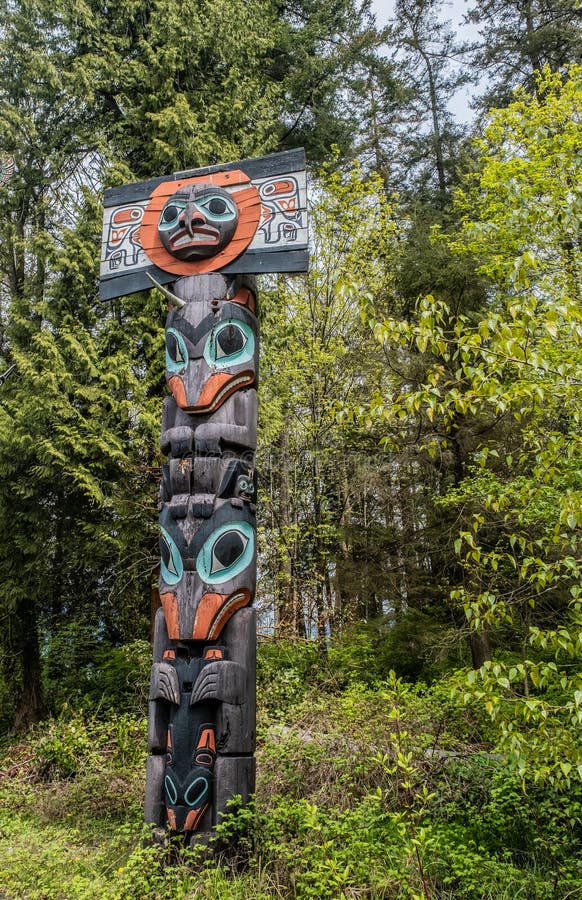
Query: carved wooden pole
{"points": [[202, 698], [199, 236]]}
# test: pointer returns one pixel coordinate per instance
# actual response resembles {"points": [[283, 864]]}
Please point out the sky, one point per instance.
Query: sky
{"points": [[454, 11]]}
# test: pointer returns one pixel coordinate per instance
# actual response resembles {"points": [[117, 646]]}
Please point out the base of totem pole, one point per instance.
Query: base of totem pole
{"points": [[233, 774]]}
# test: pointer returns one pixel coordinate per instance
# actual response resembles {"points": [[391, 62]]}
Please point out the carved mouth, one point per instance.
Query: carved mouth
{"points": [[228, 388], [208, 400], [201, 234]]}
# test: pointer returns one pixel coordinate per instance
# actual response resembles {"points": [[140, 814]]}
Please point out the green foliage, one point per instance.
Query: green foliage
{"points": [[499, 390], [517, 41], [68, 746], [389, 793], [466, 523], [90, 96], [321, 568], [82, 671], [412, 644], [285, 670]]}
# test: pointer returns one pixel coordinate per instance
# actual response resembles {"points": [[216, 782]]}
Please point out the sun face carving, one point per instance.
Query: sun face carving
{"points": [[198, 221]]}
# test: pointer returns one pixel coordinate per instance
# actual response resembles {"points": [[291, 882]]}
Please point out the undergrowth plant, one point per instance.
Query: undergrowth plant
{"points": [[389, 792]]}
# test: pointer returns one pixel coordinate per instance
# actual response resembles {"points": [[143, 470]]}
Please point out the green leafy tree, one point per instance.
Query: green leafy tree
{"points": [[508, 377], [320, 472]]}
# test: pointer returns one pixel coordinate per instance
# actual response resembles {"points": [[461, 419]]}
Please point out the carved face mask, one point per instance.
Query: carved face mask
{"points": [[208, 357], [191, 753], [198, 221], [205, 577]]}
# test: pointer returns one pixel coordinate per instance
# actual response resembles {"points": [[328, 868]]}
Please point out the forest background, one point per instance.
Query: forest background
{"points": [[419, 457]]}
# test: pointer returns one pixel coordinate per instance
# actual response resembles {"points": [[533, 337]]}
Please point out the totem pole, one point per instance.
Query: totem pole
{"points": [[200, 237]]}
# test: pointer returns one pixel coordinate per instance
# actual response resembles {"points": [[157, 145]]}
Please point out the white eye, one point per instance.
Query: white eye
{"points": [[229, 547], [229, 340], [217, 207], [175, 347], [171, 790], [170, 214], [172, 567], [226, 553], [167, 556]]}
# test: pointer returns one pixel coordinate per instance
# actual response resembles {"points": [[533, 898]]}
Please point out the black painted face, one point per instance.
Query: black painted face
{"points": [[198, 221], [209, 356], [189, 764], [206, 576]]}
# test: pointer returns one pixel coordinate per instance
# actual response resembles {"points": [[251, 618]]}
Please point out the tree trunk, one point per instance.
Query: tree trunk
{"points": [[480, 648], [436, 131], [24, 655], [285, 603], [530, 28]]}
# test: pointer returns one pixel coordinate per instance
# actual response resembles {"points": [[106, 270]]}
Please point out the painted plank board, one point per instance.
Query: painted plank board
{"points": [[275, 186], [261, 167], [292, 261]]}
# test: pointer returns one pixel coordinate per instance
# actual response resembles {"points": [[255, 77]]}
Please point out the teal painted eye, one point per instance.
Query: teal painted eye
{"points": [[196, 793], [171, 214], [226, 553], [172, 567], [229, 344], [246, 486], [176, 351], [171, 791], [218, 208]]}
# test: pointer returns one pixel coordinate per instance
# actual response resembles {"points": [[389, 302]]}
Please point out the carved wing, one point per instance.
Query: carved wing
{"points": [[222, 680], [164, 684]]}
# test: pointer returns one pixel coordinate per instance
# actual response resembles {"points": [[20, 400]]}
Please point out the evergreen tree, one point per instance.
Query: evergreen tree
{"points": [[432, 66], [324, 51], [49, 138], [519, 38]]}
